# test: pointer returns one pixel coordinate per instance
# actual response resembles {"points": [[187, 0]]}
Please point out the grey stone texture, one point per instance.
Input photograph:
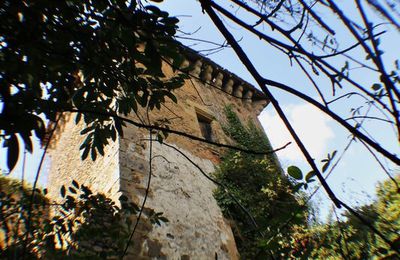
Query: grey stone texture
{"points": [[196, 227]]}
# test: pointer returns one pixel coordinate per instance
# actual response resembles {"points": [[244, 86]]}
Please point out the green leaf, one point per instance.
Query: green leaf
{"points": [[93, 154], [325, 167], [88, 129], [62, 191], [118, 125], [123, 198], [85, 152], [160, 138], [172, 97], [382, 250], [297, 187], [376, 86], [78, 118], [309, 176], [295, 172], [12, 152], [75, 184], [27, 141]]}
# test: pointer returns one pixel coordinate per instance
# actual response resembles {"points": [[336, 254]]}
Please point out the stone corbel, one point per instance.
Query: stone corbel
{"points": [[218, 80], [196, 68], [238, 91], [206, 75], [185, 64], [248, 95], [228, 87], [259, 105]]}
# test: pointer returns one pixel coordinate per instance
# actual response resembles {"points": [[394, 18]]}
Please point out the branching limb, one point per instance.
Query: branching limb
{"points": [[29, 212], [261, 82], [206, 4], [350, 128], [253, 221], [171, 131]]}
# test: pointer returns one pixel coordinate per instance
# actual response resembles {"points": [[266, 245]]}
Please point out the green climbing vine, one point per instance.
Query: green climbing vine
{"points": [[260, 186]]}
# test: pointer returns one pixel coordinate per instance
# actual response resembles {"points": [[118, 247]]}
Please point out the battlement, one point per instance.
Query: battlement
{"points": [[196, 227], [213, 75]]}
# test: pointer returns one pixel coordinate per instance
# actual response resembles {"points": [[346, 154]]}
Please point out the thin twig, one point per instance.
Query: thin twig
{"points": [[171, 131], [145, 196], [252, 219], [28, 222], [206, 5]]}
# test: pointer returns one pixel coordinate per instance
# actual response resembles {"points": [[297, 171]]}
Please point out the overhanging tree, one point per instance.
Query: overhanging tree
{"points": [[384, 94], [103, 59], [82, 55]]}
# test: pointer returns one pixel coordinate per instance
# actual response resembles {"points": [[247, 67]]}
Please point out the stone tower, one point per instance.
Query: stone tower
{"points": [[196, 227]]}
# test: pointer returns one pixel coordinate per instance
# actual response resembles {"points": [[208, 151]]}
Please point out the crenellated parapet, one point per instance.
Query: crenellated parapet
{"points": [[213, 75]]}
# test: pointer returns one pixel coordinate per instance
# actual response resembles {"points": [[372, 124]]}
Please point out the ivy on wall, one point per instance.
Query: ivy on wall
{"points": [[259, 185]]}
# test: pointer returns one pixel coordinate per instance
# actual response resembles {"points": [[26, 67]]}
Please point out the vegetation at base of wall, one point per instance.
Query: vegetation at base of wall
{"points": [[271, 198], [85, 225], [348, 238], [259, 185]]}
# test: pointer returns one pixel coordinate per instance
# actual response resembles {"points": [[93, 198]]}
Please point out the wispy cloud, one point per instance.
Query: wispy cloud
{"points": [[311, 125]]}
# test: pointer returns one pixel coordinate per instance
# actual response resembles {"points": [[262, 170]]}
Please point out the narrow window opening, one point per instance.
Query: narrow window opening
{"points": [[205, 127]]}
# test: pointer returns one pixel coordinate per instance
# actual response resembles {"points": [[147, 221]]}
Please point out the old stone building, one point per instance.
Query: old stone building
{"points": [[196, 227]]}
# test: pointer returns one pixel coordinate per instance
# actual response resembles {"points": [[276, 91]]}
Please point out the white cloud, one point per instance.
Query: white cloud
{"points": [[311, 125]]}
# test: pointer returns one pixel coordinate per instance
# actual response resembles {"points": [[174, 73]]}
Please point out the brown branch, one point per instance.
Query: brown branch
{"points": [[369, 117], [379, 8], [276, 9], [261, 81], [350, 48], [321, 95], [389, 85], [206, 4], [317, 18], [145, 196], [337, 118], [298, 49], [382, 166], [171, 131], [29, 213]]}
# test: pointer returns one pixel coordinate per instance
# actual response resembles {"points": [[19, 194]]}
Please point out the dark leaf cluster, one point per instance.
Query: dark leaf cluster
{"points": [[84, 225], [103, 56]]}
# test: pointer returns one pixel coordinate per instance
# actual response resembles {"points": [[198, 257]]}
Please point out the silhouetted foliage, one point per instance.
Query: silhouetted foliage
{"points": [[101, 56], [83, 225]]}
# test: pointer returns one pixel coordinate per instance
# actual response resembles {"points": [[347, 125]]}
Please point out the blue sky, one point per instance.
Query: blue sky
{"points": [[355, 177]]}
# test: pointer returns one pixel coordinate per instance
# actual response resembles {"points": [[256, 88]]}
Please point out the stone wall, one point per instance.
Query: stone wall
{"points": [[65, 164], [196, 227]]}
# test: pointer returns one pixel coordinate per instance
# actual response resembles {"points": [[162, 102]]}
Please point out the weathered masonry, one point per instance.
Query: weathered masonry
{"points": [[196, 227]]}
